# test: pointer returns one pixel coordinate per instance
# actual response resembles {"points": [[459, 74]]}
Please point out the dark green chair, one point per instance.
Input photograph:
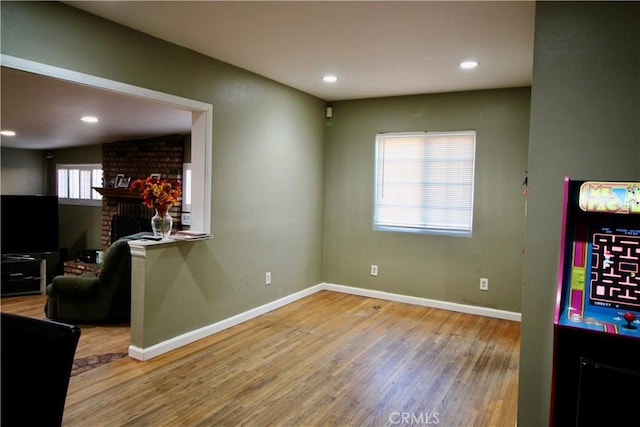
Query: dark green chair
{"points": [[90, 298]]}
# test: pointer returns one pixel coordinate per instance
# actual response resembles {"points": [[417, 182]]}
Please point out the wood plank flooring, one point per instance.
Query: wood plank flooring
{"points": [[327, 359], [94, 339]]}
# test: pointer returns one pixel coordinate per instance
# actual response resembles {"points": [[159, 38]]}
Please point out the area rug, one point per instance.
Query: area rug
{"points": [[84, 364]]}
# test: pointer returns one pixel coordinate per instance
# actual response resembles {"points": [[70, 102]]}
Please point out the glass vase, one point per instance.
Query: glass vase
{"points": [[161, 224]]}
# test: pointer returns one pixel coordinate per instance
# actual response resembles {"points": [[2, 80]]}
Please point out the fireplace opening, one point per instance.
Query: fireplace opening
{"points": [[122, 225]]}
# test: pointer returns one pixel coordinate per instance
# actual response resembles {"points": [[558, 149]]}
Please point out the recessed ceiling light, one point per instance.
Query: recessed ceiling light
{"points": [[330, 78], [468, 65], [89, 119], [7, 133]]}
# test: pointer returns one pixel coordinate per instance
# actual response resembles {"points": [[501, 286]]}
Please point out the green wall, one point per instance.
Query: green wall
{"points": [[585, 124], [267, 154], [270, 208], [22, 171], [430, 266], [269, 170]]}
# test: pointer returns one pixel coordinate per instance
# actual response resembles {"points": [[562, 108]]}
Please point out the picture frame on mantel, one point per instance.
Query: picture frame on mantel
{"points": [[108, 182], [156, 176], [122, 181]]}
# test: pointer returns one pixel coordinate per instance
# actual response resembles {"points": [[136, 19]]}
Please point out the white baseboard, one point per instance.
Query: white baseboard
{"points": [[426, 302], [195, 335], [192, 336]]}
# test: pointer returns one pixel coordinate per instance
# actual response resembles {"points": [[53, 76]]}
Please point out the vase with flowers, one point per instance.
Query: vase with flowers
{"points": [[161, 195]]}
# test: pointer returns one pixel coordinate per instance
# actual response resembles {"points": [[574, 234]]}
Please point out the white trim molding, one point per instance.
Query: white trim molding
{"points": [[426, 302], [195, 335], [102, 83]]}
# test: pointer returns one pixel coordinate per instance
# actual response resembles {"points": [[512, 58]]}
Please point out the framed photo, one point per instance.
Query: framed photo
{"points": [[122, 181], [108, 182], [156, 176]]}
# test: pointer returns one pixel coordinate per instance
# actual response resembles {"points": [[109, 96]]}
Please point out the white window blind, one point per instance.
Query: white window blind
{"points": [[424, 182], [75, 182], [186, 187]]}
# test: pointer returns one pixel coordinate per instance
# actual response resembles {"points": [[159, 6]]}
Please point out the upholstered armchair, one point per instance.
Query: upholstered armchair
{"points": [[95, 298]]}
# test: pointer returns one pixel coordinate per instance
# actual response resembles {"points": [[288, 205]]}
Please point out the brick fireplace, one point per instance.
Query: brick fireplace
{"points": [[123, 214]]}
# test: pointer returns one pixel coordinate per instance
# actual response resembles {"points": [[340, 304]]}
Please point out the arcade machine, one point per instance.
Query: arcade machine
{"points": [[596, 355]]}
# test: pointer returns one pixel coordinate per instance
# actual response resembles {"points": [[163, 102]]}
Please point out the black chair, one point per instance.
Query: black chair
{"points": [[37, 358]]}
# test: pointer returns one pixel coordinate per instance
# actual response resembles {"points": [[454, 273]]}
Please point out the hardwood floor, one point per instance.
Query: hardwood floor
{"points": [[327, 359], [94, 339]]}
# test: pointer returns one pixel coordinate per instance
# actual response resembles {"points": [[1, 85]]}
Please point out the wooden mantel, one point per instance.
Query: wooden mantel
{"points": [[117, 193]]}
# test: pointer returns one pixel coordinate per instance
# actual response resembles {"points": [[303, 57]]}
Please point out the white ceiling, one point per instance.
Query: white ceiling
{"points": [[45, 113], [379, 48]]}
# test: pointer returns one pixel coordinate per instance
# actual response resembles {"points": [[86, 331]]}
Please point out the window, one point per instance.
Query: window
{"points": [[75, 181], [424, 182], [186, 187]]}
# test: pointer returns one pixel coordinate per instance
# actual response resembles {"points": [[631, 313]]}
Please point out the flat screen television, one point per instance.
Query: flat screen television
{"points": [[29, 224]]}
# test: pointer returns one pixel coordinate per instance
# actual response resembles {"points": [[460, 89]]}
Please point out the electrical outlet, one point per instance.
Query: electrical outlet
{"points": [[374, 270], [267, 278], [484, 284]]}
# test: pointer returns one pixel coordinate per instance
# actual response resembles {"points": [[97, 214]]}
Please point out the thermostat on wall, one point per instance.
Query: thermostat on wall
{"points": [[186, 218]]}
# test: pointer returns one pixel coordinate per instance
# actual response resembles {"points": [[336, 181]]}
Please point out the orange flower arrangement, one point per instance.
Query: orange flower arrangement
{"points": [[158, 193]]}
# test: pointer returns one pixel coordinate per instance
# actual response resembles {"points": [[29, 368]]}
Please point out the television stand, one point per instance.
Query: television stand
{"points": [[23, 275]]}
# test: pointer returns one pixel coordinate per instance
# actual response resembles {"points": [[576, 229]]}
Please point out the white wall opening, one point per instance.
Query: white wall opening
{"points": [[201, 128]]}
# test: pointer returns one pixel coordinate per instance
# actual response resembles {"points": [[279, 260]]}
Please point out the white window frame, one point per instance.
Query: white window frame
{"points": [[424, 182], [74, 183]]}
